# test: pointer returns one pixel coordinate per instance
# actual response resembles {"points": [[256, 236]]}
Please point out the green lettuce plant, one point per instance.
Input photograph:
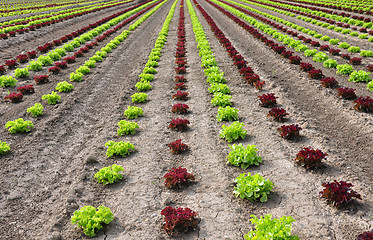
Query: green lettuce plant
{"points": [[19, 126], [252, 187], [36, 110], [118, 148], [108, 175], [227, 114], [233, 132], [126, 127], [243, 156]]}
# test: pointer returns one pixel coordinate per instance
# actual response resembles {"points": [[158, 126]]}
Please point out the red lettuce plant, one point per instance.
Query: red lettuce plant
{"points": [[176, 177], [324, 48], [307, 40], [2, 69], [79, 53], [267, 100], [306, 67], [347, 93], [259, 84], [179, 220], [334, 52], [84, 49], [14, 97], [43, 49], [61, 64], [54, 70], [64, 39], [287, 54], [180, 53], [250, 78], [179, 95], [11, 63], [12, 33], [179, 124], [370, 68], [279, 49], [289, 131], [240, 64], [180, 63], [32, 54], [365, 235], [310, 158], [338, 194], [295, 60], [100, 38], [355, 61], [4, 36], [180, 85], [246, 70], [70, 59], [328, 82], [315, 44], [180, 79], [346, 56], [315, 74], [57, 42], [180, 70], [364, 104], [180, 108], [277, 114], [41, 79], [178, 146], [27, 89], [22, 58]]}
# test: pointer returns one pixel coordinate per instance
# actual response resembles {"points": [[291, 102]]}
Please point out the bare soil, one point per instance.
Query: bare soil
{"points": [[48, 173]]}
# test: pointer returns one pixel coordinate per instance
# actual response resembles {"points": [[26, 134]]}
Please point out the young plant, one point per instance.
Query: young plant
{"points": [[268, 228], [334, 52], [354, 49], [21, 73], [26, 89], [126, 127], [259, 84], [330, 63], [179, 95], [366, 53], [64, 87], [368, 235], [267, 100], [344, 69], [221, 100], [90, 63], [179, 108], [227, 114], [12, 64], [310, 158], [320, 57], [54, 70], [41, 79], [52, 98], [355, 61], [45, 60], [177, 177], [76, 77], [180, 85], [252, 187], [360, 76], [180, 79], [347, 93], [133, 112], [233, 132], [143, 86], [108, 175], [338, 194], [19, 126], [118, 148], [315, 74], [2, 69], [328, 82], [244, 156], [36, 110], [14, 97], [139, 97], [364, 104], [83, 70], [179, 124], [178, 147], [91, 220], [179, 220], [4, 148], [277, 114], [346, 56], [70, 60], [306, 67], [22, 58], [289, 131]]}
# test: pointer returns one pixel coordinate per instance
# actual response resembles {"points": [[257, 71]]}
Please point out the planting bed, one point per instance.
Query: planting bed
{"points": [[49, 172]]}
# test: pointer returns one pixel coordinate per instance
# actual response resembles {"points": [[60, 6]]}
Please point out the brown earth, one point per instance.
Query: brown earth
{"points": [[49, 172]]}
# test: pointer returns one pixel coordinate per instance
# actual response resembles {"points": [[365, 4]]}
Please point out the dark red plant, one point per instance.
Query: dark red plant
{"points": [[180, 70], [246, 70], [240, 64], [27, 89], [180, 108], [259, 84], [2, 69], [32, 54], [179, 220], [43, 49], [364, 104], [307, 40], [100, 38], [338, 194], [370, 68], [267, 100], [180, 54], [315, 74], [70, 59], [180, 85], [61, 64], [54, 69], [180, 79], [365, 235], [11, 63], [250, 78], [178, 146], [14, 97], [41, 79], [22, 58], [64, 39], [57, 42], [79, 53], [179, 95], [287, 54], [289, 131], [355, 61], [84, 49], [4, 36], [295, 60], [279, 49], [315, 44], [347, 93], [179, 124], [310, 158], [346, 56], [180, 63], [334, 52], [277, 114], [328, 82], [306, 67], [12, 33], [324, 48], [176, 177]]}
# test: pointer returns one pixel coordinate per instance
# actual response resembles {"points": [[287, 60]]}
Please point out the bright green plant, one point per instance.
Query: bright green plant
{"points": [[366, 53], [4, 147], [370, 86], [54, 56], [325, 38], [52, 98], [83, 70], [108, 175], [344, 69], [354, 34], [36, 110], [101, 54], [354, 49], [90, 64], [244, 156], [143, 86], [221, 100], [64, 87], [151, 63], [133, 112], [118, 148], [268, 228], [139, 97], [301, 48], [219, 87], [330, 63], [126, 127], [216, 77], [60, 51], [91, 220], [45, 60], [233, 132], [7, 81], [363, 36], [227, 114], [334, 41], [68, 47], [344, 45], [76, 77], [146, 77], [149, 70], [360, 76], [310, 53], [320, 57], [253, 187], [21, 73], [346, 31], [19, 126], [317, 35], [96, 58], [35, 66], [370, 39]]}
